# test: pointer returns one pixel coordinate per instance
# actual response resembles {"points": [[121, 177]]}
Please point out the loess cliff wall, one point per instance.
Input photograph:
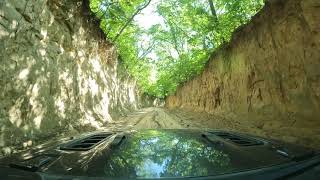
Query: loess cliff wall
{"points": [[58, 74], [268, 75]]}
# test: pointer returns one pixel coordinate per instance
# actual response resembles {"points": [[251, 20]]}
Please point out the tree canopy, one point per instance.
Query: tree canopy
{"points": [[175, 41]]}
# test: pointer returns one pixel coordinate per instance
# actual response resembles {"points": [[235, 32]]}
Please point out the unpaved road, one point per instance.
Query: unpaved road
{"points": [[161, 118], [148, 118]]}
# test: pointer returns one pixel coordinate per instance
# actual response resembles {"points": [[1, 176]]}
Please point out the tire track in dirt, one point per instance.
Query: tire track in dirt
{"points": [[161, 118], [148, 118]]}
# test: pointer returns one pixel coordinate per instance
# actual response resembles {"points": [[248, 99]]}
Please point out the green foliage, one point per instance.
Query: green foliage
{"points": [[176, 49]]}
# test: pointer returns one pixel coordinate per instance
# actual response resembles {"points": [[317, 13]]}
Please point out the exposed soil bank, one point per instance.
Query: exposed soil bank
{"points": [[58, 74], [268, 76]]}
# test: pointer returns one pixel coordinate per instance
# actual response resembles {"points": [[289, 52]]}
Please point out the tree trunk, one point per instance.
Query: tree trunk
{"points": [[215, 18]]}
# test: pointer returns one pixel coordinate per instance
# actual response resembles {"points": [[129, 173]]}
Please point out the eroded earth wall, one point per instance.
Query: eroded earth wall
{"points": [[268, 75], [57, 72]]}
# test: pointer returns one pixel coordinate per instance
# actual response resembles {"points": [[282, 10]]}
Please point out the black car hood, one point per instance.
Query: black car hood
{"points": [[160, 153]]}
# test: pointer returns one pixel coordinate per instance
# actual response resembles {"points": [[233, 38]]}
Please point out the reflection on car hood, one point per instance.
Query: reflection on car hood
{"points": [[166, 153]]}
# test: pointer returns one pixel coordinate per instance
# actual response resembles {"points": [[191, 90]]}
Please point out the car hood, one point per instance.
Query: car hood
{"points": [[159, 153]]}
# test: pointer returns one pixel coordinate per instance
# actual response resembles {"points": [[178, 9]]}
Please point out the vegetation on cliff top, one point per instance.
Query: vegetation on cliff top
{"points": [[165, 42]]}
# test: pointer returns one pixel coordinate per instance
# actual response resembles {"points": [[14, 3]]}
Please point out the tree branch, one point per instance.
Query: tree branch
{"points": [[130, 20], [213, 11]]}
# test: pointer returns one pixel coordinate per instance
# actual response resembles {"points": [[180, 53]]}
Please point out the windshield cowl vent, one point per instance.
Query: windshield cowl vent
{"points": [[86, 143], [238, 140]]}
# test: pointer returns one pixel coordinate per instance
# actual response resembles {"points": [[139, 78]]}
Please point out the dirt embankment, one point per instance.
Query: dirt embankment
{"points": [[57, 72], [268, 77]]}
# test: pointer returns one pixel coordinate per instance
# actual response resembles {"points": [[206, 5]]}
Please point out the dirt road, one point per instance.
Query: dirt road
{"points": [[154, 118], [161, 118], [157, 118], [148, 118]]}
